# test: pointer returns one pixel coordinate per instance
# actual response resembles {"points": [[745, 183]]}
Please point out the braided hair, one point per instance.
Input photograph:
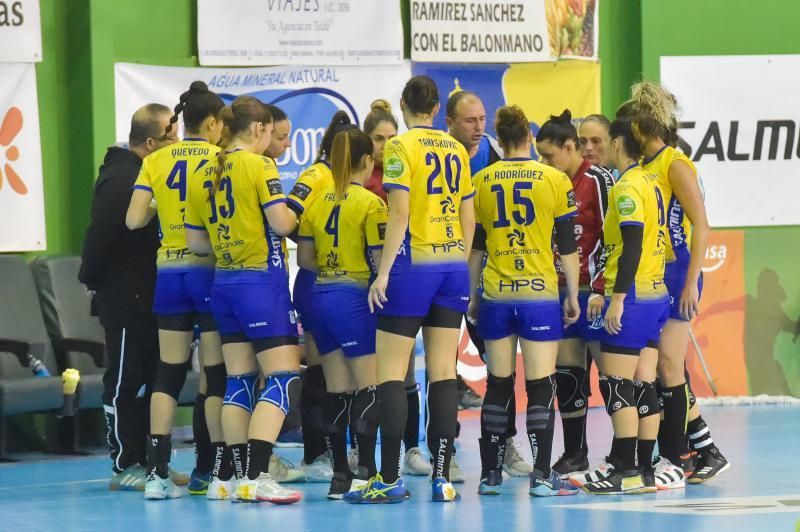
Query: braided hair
{"points": [[196, 104]]}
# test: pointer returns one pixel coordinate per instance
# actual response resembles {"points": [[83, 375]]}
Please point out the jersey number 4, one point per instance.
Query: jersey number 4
{"points": [[332, 225], [524, 215], [177, 178]]}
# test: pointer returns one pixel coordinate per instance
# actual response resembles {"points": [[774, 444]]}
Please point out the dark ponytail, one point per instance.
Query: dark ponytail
{"points": [[349, 147], [339, 122], [238, 117], [622, 128], [196, 104], [558, 130], [421, 95]]}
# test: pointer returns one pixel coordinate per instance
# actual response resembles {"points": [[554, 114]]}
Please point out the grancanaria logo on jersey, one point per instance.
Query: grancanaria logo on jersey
{"points": [[448, 205], [516, 238]]}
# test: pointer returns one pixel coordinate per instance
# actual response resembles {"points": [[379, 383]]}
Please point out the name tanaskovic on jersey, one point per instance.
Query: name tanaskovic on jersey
{"points": [[189, 151], [438, 143]]}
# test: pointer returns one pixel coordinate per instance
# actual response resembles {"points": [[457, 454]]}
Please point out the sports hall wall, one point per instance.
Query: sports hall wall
{"points": [[747, 326]]}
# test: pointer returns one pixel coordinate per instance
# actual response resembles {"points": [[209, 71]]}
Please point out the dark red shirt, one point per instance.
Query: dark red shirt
{"points": [[591, 184], [375, 183]]}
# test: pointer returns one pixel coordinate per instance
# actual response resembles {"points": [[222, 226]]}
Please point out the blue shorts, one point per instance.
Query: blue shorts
{"points": [[588, 331], [343, 321], [301, 296], [537, 322], [184, 291], [252, 304], [675, 278], [641, 324], [412, 293]]}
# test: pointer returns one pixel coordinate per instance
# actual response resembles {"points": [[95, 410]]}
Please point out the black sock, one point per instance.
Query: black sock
{"points": [[645, 454], [258, 455], [238, 454], [364, 420], [700, 435], [311, 405], [495, 421], [411, 436], [626, 453], [222, 468], [393, 414], [512, 412], [335, 418], [574, 435], [203, 453], [443, 398], [672, 432], [541, 421], [159, 450]]}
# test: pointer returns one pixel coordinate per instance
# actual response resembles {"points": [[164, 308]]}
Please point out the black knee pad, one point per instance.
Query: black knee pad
{"points": [[570, 390], [541, 396], [170, 378], [692, 398], [336, 412], [364, 412], [494, 413], [216, 380], [646, 399], [617, 392]]}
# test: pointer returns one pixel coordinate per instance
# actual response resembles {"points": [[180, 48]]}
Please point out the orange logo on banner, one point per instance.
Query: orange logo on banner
{"points": [[10, 127]]}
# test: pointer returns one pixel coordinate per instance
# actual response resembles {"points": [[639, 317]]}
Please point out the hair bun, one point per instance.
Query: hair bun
{"points": [[198, 87], [382, 105], [565, 117]]}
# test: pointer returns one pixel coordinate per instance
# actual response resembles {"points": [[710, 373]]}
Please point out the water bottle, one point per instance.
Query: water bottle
{"points": [[37, 366]]}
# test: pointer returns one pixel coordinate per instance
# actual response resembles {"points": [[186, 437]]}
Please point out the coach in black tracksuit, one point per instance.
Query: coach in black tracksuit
{"points": [[119, 265]]}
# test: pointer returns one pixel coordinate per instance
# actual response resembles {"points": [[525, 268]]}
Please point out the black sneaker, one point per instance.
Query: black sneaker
{"points": [[340, 484], [649, 480], [571, 465], [709, 464], [491, 483], [467, 398], [617, 483]]}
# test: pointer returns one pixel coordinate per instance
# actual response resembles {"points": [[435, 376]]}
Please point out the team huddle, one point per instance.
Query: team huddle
{"points": [[555, 258]]}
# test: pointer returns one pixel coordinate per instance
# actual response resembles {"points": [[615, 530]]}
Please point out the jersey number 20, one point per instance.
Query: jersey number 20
{"points": [[452, 172]]}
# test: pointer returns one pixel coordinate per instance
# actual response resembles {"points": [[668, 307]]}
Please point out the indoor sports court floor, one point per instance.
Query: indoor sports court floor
{"points": [[760, 492]]}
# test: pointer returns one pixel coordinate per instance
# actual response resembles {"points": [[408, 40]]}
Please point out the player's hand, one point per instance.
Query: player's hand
{"points": [[377, 292], [594, 309], [612, 321], [571, 310], [690, 301], [472, 310]]}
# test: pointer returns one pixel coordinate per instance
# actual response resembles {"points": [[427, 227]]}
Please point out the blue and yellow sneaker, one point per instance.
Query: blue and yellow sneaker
{"points": [[198, 485], [550, 486], [443, 491], [377, 492]]}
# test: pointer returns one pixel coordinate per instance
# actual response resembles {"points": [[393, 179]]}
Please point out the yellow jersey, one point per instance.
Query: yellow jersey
{"points": [[234, 217], [165, 173], [434, 168], [517, 203], [679, 227], [344, 232], [636, 200], [309, 185]]}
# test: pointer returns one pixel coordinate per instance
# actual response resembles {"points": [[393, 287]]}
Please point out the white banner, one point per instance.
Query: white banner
{"points": [[299, 32], [309, 96], [739, 122], [20, 32], [503, 31], [21, 187]]}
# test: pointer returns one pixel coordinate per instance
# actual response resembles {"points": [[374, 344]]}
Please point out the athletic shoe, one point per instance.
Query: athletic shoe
{"points": [[649, 481], [198, 485], [456, 475], [157, 488], [687, 463], [319, 470], [264, 488], [292, 438], [221, 490], [415, 463], [179, 479], [491, 483], [283, 471], [551, 486], [352, 460], [617, 483], [513, 462], [132, 478], [342, 484], [570, 465], [468, 398], [377, 492], [443, 491], [668, 476], [602, 471], [709, 464]]}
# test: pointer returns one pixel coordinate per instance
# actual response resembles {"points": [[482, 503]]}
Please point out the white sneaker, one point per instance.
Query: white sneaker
{"points": [[456, 475], [513, 462], [601, 472], [157, 488], [283, 471], [669, 476], [220, 490], [415, 463], [320, 470], [352, 460], [264, 488]]}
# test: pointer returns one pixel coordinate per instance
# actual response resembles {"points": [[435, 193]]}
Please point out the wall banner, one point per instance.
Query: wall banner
{"points": [[20, 32]]}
